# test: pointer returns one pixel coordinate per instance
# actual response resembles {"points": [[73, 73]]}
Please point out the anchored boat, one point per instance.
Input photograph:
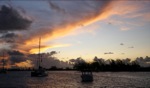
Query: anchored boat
{"points": [[40, 72], [87, 76], [3, 70]]}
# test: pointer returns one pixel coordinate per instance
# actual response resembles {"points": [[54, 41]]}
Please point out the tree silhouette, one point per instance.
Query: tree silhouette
{"points": [[99, 64]]}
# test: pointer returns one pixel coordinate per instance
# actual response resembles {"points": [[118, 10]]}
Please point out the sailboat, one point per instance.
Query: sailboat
{"points": [[40, 72], [3, 70]]}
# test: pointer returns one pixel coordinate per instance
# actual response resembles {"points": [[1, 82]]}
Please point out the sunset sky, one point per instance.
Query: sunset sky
{"points": [[81, 28]]}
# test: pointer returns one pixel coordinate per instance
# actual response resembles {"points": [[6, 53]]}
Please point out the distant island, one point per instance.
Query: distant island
{"points": [[99, 65]]}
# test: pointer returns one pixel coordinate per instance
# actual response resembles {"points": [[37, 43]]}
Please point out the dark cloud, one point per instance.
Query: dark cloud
{"points": [[76, 13], [48, 23], [53, 61], [53, 53], [56, 7], [131, 47], [72, 60], [77, 60], [19, 59], [121, 44], [18, 53], [48, 60], [11, 19], [9, 37], [15, 57], [143, 61], [122, 53], [108, 53]]}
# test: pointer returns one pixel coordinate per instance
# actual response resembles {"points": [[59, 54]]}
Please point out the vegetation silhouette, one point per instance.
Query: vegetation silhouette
{"points": [[110, 65], [99, 65]]}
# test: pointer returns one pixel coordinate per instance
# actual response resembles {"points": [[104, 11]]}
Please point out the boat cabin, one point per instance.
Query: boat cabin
{"points": [[87, 76]]}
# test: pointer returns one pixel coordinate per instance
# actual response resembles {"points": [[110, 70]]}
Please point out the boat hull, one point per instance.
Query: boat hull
{"points": [[3, 72], [87, 78], [38, 74]]}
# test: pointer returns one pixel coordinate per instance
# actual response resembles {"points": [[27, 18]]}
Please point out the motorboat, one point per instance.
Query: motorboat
{"points": [[87, 76]]}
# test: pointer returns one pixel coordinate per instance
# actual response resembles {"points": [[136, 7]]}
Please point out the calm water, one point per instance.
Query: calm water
{"points": [[66, 79]]}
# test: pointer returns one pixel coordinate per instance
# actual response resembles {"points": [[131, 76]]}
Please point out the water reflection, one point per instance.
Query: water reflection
{"points": [[62, 79]]}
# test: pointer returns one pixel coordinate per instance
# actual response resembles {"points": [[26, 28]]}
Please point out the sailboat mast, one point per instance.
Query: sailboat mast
{"points": [[3, 61], [39, 50]]}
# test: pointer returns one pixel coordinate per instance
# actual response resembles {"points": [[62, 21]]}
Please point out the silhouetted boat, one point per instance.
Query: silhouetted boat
{"points": [[3, 70], [40, 72], [87, 76]]}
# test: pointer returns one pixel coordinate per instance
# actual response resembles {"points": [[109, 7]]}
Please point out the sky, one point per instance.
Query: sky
{"points": [[107, 29]]}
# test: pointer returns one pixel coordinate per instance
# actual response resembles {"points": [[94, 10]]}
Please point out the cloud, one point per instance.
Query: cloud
{"points": [[122, 53], [9, 37], [108, 53], [55, 19], [131, 47], [143, 61], [56, 7], [15, 59], [121, 44], [53, 53], [48, 60], [57, 25], [125, 28], [11, 20], [77, 60], [130, 10], [15, 53], [52, 25], [44, 48], [24, 64]]}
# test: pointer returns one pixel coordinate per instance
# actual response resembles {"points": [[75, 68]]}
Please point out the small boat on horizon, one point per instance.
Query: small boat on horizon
{"points": [[40, 71], [87, 76], [3, 70]]}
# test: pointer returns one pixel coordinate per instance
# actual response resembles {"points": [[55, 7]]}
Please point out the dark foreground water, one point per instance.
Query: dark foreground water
{"points": [[71, 79]]}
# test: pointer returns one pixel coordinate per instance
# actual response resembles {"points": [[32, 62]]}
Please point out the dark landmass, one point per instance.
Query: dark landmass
{"points": [[141, 69], [119, 65], [101, 65]]}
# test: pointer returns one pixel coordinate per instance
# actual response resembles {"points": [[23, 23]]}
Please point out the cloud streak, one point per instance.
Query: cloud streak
{"points": [[59, 19], [56, 7], [121, 44], [108, 53], [56, 25], [131, 47], [15, 59]]}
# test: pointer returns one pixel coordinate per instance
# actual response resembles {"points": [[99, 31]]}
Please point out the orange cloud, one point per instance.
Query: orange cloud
{"points": [[49, 34], [69, 21], [44, 48], [24, 64], [29, 39]]}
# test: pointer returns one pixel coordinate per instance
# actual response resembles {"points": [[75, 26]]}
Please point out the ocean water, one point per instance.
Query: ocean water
{"points": [[72, 79]]}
